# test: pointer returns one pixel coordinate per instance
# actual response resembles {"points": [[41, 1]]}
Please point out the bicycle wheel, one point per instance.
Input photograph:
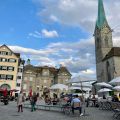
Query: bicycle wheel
{"points": [[67, 111]]}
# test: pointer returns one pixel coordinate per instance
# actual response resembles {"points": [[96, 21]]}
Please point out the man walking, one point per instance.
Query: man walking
{"points": [[33, 101]]}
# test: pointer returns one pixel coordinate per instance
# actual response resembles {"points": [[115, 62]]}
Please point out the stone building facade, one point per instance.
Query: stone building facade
{"points": [[107, 56], [39, 77]]}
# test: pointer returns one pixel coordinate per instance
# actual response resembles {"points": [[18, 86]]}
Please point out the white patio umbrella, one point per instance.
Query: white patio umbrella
{"points": [[74, 80], [79, 88], [104, 90], [117, 88], [103, 84], [83, 84], [80, 79], [115, 80], [59, 87]]}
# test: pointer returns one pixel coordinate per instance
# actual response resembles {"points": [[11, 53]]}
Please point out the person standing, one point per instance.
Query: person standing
{"points": [[5, 96], [20, 101], [33, 101]]}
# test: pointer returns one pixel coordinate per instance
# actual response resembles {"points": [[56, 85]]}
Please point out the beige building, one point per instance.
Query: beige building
{"points": [[8, 67], [107, 56], [39, 77]]}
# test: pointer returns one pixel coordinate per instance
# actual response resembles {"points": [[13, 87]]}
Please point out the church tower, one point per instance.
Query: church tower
{"points": [[103, 40]]}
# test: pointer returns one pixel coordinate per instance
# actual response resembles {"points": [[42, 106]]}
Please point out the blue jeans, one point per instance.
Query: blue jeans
{"points": [[78, 108]]}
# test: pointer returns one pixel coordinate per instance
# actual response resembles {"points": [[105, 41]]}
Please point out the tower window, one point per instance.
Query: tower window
{"points": [[108, 71], [106, 41], [98, 43]]}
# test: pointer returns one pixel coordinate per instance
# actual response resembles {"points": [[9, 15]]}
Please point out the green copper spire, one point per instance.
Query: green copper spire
{"points": [[101, 14]]}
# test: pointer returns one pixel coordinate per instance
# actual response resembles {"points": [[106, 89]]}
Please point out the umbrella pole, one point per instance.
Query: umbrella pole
{"points": [[81, 87]]}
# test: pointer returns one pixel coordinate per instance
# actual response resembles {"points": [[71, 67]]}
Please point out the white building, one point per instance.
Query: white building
{"points": [[20, 76]]}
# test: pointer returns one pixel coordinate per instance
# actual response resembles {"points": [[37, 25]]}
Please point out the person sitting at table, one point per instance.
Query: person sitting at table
{"points": [[94, 100], [47, 100], [115, 99], [55, 100], [104, 97], [76, 105]]}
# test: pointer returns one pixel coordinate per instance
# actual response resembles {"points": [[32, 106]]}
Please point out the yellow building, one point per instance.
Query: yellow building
{"points": [[8, 67]]}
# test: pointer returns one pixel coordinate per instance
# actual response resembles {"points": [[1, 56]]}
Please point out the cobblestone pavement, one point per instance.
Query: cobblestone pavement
{"points": [[9, 112]]}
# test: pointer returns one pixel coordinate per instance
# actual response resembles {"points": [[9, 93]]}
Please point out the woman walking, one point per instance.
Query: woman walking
{"points": [[20, 101]]}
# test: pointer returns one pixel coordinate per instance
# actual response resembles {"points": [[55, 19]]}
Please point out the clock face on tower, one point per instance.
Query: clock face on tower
{"points": [[106, 30]]}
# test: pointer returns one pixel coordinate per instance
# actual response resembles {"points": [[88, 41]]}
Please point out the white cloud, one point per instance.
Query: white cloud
{"points": [[49, 34], [54, 18], [36, 35], [29, 51], [76, 56], [44, 34], [82, 13], [69, 12], [88, 72]]}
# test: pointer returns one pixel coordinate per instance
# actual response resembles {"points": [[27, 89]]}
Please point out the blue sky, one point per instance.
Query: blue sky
{"points": [[20, 18], [51, 32]]}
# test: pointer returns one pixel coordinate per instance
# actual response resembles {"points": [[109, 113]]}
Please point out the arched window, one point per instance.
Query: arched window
{"points": [[106, 41], [108, 71], [4, 86], [98, 43]]}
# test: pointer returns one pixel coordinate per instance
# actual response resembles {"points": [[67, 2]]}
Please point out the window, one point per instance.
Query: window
{"points": [[3, 60], [24, 86], [25, 78], [0, 67], [19, 69], [106, 41], [31, 79], [98, 43], [18, 84], [45, 72], [3, 53], [11, 60], [10, 53], [10, 68], [6, 77], [37, 88], [108, 71], [45, 81], [2, 76], [19, 77], [4, 67], [9, 77]]}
